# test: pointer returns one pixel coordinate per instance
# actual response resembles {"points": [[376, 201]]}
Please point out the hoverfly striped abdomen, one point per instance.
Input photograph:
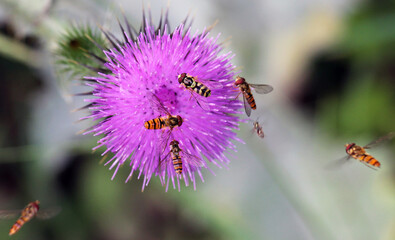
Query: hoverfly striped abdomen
{"points": [[156, 123], [202, 90], [369, 160], [162, 122], [250, 98]]}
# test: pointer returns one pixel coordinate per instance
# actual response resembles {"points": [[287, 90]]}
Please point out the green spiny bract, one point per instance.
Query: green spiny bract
{"points": [[78, 54]]}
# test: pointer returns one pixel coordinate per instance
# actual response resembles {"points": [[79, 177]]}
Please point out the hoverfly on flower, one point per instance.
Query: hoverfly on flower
{"points": [[167, 122], [196, 87], [178, 156], [170, 121], [192, 84]]}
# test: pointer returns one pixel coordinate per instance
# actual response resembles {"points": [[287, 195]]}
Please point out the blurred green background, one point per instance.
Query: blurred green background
{"points": [[332, 66]]}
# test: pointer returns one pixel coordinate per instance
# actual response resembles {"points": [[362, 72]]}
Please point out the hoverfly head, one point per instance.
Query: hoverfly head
{"points": [[181, 77], [174, 142], [179, 120], [239, 81], [349, 146]]}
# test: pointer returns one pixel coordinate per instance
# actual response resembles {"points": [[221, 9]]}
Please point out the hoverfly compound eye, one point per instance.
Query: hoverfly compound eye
{"points": [[349, 146], [181, 77], [239, 80], [179, 121]]}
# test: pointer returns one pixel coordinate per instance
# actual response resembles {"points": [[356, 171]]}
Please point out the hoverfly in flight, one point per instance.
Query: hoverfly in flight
{"points": [[258, 129], [359, 153], [245, 89], [179, 156], [195, 87], [28, 213]]}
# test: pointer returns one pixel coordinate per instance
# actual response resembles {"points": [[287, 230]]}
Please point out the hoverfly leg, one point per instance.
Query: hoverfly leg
{"points": [[238, 95]]}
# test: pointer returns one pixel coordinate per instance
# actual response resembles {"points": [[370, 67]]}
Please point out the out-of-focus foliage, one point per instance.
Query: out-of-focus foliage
{"points": [[369, 36], [360, 100], [78, 48]]}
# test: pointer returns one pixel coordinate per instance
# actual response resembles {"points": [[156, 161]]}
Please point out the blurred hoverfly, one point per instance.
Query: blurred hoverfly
{"points": [[28, 213], [359, 153], [258, 129]]}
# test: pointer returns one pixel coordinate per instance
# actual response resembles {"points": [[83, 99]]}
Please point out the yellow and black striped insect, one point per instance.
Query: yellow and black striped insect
{"points": [[245, 89], [195, 87], [28, 213], [178, 156], [192, 84], [359, 153], [168, 121]]}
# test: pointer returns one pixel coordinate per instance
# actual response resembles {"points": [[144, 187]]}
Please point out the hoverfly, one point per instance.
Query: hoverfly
{"points": [[27, 214], [245, 89], [359, 153], [170, 121], [258, 129], [178, 156], [195, 87]]}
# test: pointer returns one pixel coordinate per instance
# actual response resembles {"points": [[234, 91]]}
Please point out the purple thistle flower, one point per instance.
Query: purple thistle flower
{"points": [[142, 73]]}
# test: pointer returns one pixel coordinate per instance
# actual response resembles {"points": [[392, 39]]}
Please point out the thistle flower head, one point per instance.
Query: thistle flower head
{"points": [[142, 85]]}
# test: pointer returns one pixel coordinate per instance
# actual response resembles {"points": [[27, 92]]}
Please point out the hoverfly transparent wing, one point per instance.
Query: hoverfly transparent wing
{"points": [[247, 106], [202, 103], [9, 214], [48, 213], [192, 160], [253, 129], [262, 88], [164, 140], [157, 105], [337, 163], [162, 162], [211, 84], [380, 140], [164, 143]]}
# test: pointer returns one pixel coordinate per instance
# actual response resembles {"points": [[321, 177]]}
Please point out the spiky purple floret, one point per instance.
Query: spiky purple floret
{"points": [[149, 65]]}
